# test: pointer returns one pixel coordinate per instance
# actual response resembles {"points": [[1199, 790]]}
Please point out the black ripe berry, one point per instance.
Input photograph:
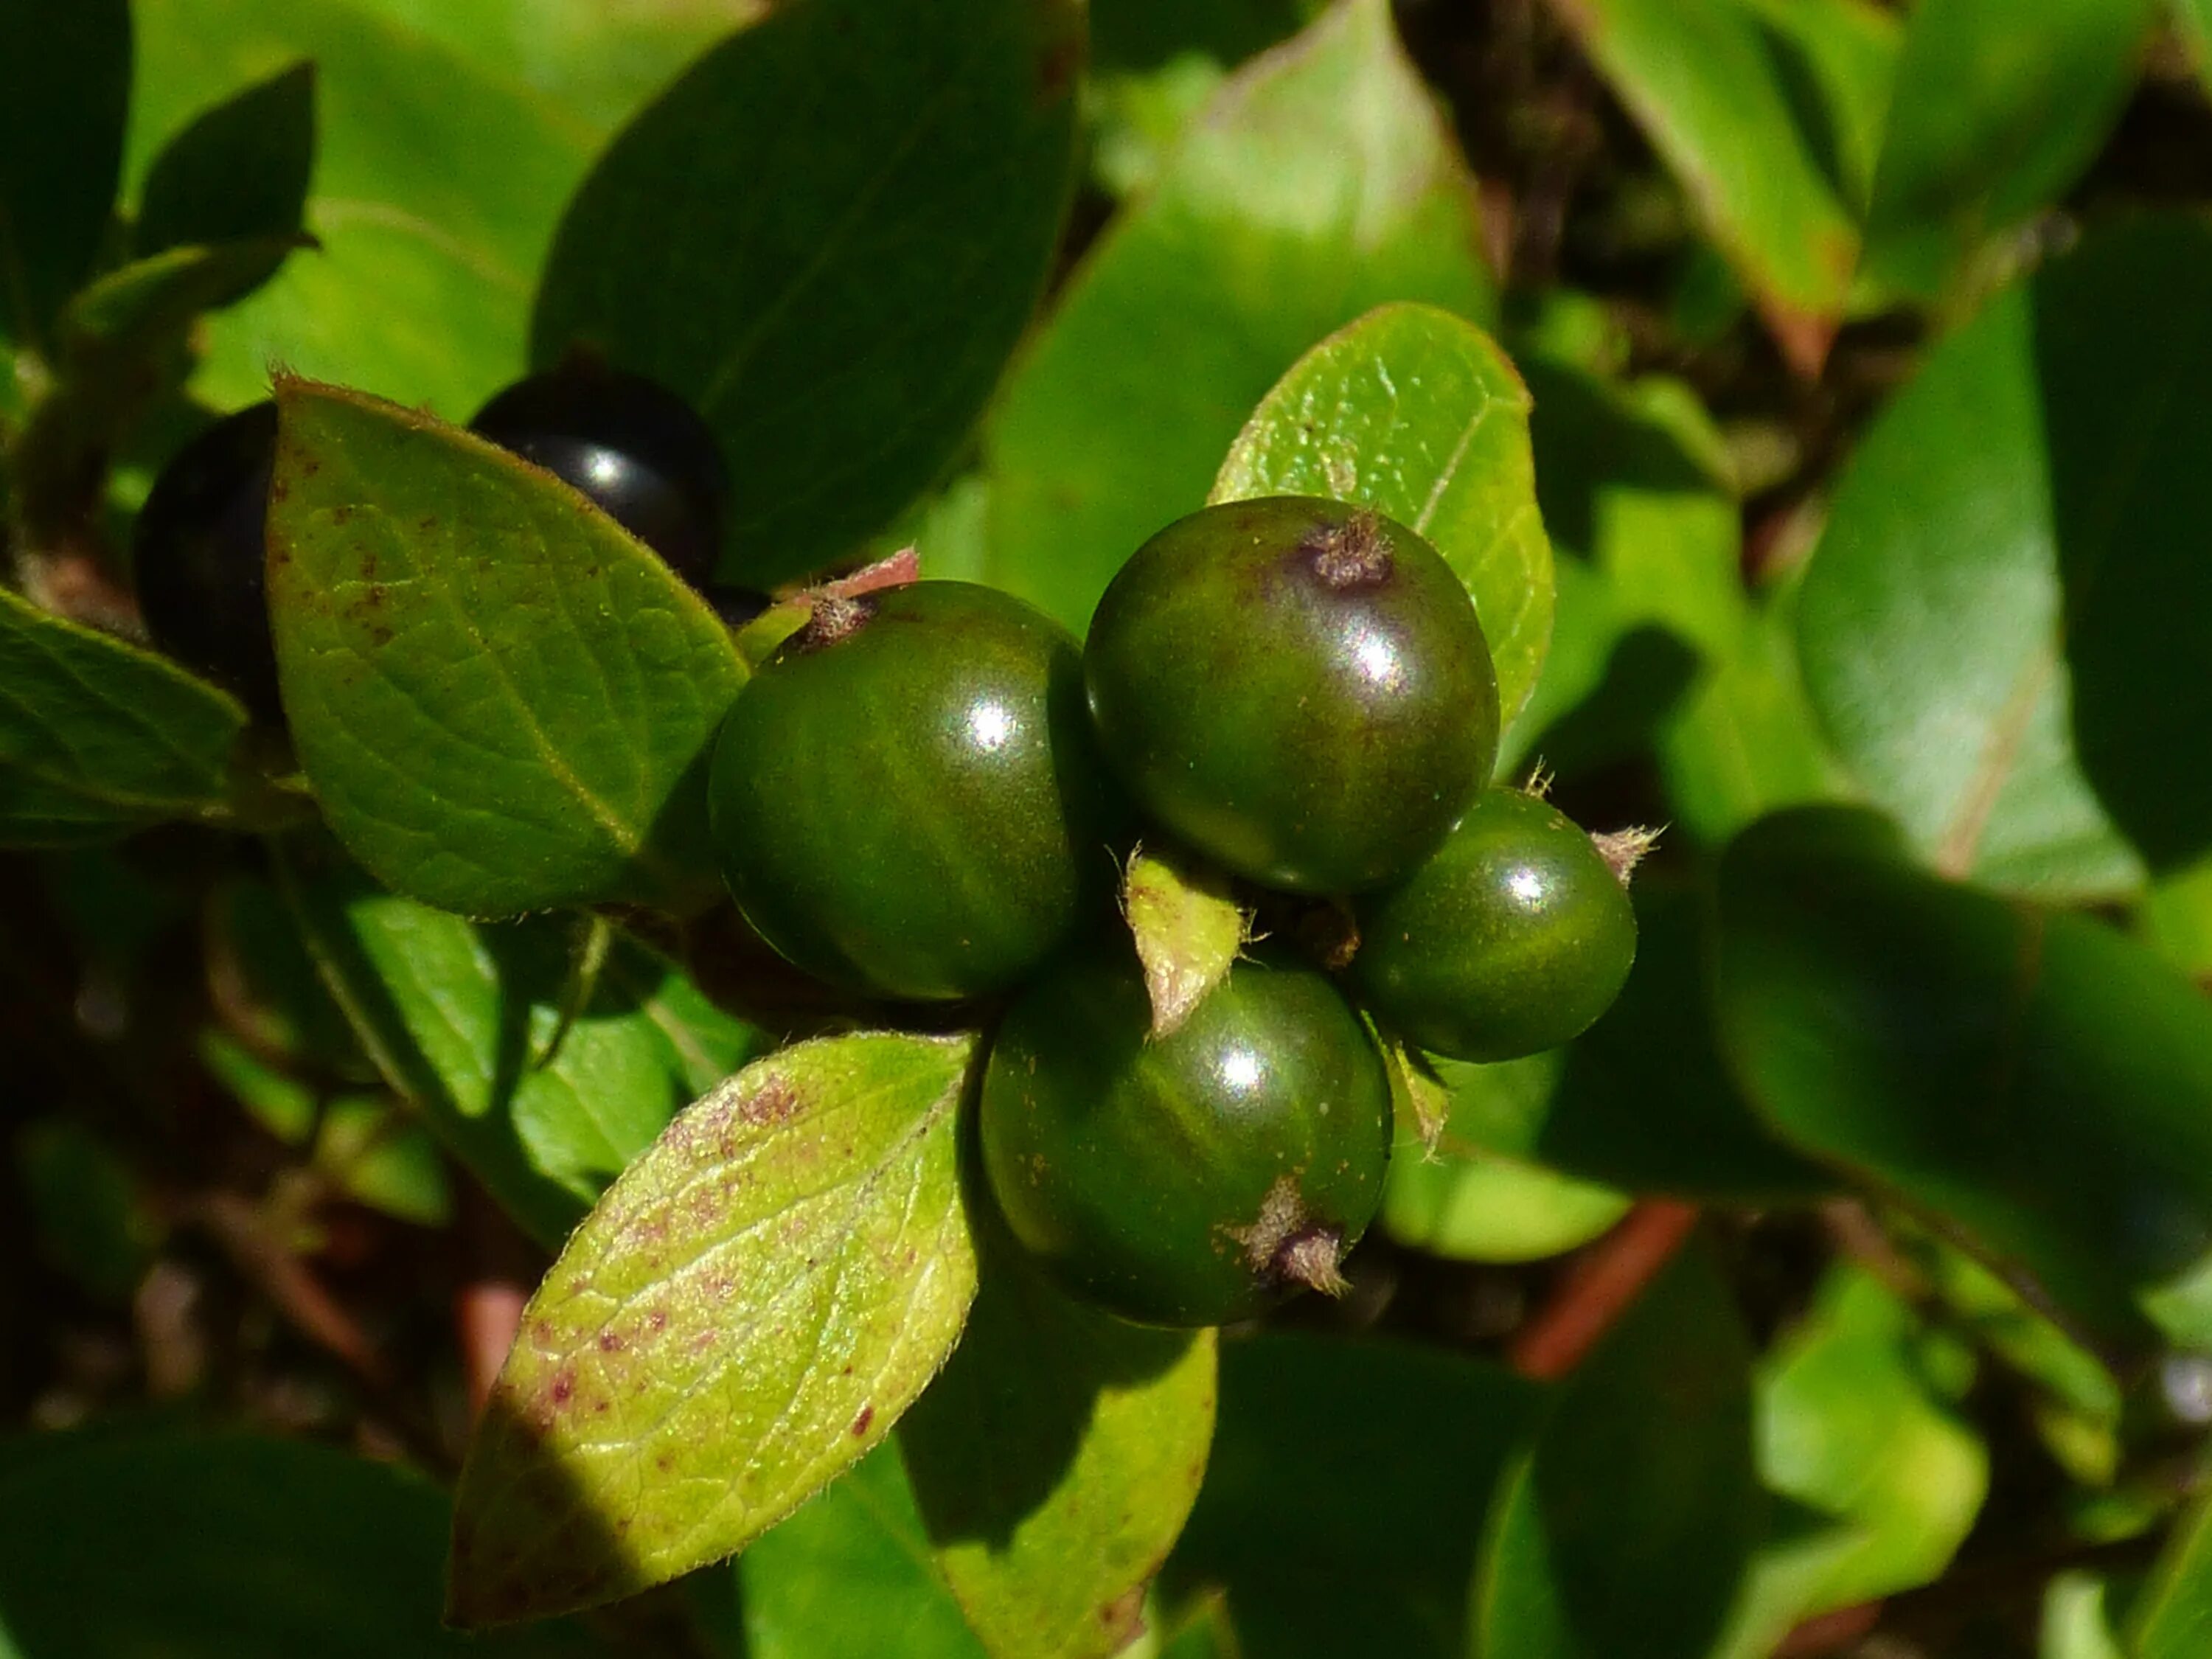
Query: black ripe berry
{"points": [[197, 553], [633, 446]]}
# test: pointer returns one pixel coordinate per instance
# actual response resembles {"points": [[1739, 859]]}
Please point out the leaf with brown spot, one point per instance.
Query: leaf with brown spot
{"points": [[507, 711], [1189, 930], [781, 1286]]}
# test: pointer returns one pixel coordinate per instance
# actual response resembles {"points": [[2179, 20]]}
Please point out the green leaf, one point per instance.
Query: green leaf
{"points": [[370, 1151], [1320, 183], [276, 1100], [1727, 100], [2118, 361], [1886, 1478], [851, 1574], [504, 703], [1837, 60], [1999, 106], [1655, 638], [99, 738], [87, 1210], [2173, 1612], [458, 1015], [751, 1306], [595, 62], [1624, 474], [1417, 413], [1188, 928], [1467, 1187], [1056, 1459], [238, 174], [1473, 1206], [227, 1546], [1928, 625], [2077, 1621], [1848, 1424], [1346, 1490], [2194, 18], [1640, 1101], [437, 183], [1745, 741], [1204, 1631], [64, 86], [856, 203], [1630, 1521], [2037, 1082]]}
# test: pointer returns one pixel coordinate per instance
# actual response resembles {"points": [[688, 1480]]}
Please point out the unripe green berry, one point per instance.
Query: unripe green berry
{"points": [[1513, 938], [1196, 1177], [1297, 688]]}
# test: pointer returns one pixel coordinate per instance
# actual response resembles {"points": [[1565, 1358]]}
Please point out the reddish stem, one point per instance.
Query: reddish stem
{"points": [[899, 569], [487, 1314], [1601, 1286], [1831, 1632]]}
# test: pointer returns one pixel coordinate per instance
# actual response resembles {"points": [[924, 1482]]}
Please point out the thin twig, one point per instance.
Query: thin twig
{"points": [[1600, 1288]]}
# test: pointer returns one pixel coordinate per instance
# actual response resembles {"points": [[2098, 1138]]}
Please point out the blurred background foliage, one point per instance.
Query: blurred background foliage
{"points": [[1866, 344]]}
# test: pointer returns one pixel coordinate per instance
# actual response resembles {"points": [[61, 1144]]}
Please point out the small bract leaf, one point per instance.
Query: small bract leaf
{"points": [[750, 1308], [1055, 1461], [1418, 1099], [99, 738], [505, 702], [1417, 413], [1189, 930]]}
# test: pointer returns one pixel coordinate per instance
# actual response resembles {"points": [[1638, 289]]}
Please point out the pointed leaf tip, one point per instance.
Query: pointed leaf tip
{"points": [[751, 1307]]}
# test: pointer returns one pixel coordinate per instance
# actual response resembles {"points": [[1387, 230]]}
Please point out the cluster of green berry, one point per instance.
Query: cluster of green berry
{"points": [[923, 794], [927, 792]]}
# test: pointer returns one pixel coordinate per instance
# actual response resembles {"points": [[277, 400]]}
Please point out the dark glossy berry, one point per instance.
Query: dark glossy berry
{"points": [[907, 798], [1513, 938], [198, 554], [638, 449], [1192, 1178], [1297, 687]]}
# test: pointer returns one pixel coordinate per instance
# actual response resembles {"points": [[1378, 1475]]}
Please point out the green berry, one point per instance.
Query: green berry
{"points": [[1297, 688], [907, 798], [1195, 1178], [1513, 938]]}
